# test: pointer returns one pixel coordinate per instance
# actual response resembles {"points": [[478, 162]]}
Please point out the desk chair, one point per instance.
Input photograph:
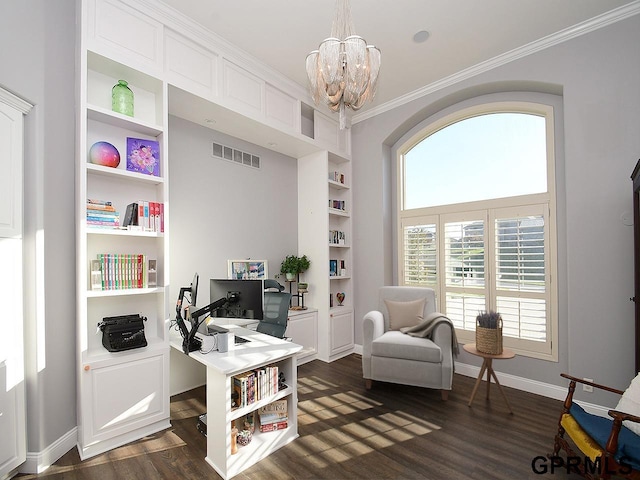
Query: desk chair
{"points": [[276, 310]]}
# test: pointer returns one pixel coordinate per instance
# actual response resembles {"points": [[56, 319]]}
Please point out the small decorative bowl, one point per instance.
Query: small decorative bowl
{"points": [[244, 437]]}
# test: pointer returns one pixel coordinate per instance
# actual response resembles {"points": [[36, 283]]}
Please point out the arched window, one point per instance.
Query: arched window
{"points": [[476, 202]]}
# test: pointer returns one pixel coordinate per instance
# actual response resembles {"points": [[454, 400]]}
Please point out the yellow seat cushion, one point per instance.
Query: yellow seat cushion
{"points": [[583, 441]]}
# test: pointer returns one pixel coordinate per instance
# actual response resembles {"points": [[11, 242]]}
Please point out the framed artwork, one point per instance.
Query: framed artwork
{"points": [[247, 269], [143, 156], [333, 268]]}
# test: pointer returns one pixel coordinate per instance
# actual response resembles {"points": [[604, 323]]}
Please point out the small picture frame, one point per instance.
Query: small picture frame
{"points": [[333, 268], [143, 156], [247, 269]]}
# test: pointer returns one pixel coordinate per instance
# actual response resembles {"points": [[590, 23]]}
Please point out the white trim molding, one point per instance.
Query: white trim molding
{"points": [[585, 27], [14, 101], [38, 462], [531, 386]]}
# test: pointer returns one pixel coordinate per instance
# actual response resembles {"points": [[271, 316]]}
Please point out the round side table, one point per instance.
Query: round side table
{"points": [[487, 359]]}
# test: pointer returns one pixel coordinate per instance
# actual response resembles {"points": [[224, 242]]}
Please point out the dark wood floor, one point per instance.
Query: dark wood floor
{"points": [[347, 432]]}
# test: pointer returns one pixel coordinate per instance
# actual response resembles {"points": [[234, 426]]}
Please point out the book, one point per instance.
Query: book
{"points": [[278, 406], [241, 388], [98, 218], [275, 412], [130, 215], [146, 215], [152, 216], [156, 217], [100, 208], [274, 417], [98, 202], [141, 214], [272, 427]]}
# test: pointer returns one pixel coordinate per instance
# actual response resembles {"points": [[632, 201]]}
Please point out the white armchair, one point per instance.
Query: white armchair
{"points": [[389, 355]]}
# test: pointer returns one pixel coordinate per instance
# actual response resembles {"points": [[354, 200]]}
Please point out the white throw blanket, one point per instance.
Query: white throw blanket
{"points": [[425, 329]]}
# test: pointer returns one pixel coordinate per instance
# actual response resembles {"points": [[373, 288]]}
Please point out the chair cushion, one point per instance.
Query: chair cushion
{"points": [[405, 314], [599, 429], [630, 403], [396, 344], [584, 442]]}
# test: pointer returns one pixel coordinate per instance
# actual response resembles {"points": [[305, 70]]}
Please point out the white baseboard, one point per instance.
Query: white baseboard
{"points": [[532, 386], [38, 462], [526, 385]]}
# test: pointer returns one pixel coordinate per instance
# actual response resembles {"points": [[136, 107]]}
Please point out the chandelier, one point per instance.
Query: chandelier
{"points": [[343, 72]]}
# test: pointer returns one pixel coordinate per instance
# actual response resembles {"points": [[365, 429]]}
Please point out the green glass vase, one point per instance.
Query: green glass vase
{"points": [[122, 98]]}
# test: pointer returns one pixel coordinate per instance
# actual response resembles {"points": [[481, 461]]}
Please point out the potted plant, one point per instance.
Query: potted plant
{"points": [[293, 265], [489, 332]]}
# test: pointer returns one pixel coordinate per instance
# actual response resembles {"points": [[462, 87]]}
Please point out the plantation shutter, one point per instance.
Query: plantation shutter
{"points": [[420, 254], [464, 271], [521, 287]]}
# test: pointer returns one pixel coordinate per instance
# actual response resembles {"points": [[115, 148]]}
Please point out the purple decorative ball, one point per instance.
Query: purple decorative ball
{"points": [[103, 153]]}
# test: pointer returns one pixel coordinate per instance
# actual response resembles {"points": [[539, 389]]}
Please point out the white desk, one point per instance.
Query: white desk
{"points": [[261, 350], [249, 323]]}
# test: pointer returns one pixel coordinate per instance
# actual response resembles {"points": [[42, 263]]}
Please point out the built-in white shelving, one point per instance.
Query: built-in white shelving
{"points": [[107, 417], [170, 67], [327, 179]]}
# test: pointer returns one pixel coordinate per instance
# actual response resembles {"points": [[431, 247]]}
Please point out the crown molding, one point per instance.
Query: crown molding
{"points": [[14, 101], [577, 30]]}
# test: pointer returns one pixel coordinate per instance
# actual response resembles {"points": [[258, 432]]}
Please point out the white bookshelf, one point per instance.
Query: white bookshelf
{"points": [[317, 218], [106, 417], [262, 350]]}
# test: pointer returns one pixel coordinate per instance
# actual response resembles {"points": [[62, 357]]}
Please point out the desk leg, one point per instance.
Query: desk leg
{"points": [[501, 391], [475, 387]]}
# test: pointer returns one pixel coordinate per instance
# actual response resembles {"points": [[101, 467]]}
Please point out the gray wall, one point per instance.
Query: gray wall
{"points": [[38, 38], [598, 77], [221, 211]]}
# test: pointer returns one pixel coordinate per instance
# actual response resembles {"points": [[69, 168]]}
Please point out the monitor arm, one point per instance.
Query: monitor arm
{"points": [[179, 320], [190, 343]]}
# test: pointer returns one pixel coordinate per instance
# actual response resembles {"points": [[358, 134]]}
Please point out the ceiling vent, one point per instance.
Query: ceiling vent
{"points": [[235, 156]]}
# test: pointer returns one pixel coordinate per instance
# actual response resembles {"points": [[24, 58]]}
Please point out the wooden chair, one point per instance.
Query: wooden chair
{"points": [[607, 449]]}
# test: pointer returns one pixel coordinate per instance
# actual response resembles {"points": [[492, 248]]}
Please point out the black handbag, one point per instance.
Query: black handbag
{"points": [[123, 332]]}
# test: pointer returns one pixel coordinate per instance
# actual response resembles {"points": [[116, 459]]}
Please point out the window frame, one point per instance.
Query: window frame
{"points": [[491, 209]]}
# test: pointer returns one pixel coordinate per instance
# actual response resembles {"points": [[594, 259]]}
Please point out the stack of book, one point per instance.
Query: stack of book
{"points": [[336, 177], [338, 204], [146, 215], [337, 237], [116, 271], [102, 214], [273, 416], [255, 385]]}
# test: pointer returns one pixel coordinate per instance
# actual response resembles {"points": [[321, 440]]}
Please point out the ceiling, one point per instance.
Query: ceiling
{"points": [[462, 33]]}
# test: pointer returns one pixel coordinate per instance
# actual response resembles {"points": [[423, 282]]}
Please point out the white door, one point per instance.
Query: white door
{"points": [[12, 399]]}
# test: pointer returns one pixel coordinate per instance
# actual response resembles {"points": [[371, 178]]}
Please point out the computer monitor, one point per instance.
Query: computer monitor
{"points": [[245, 298], [194, 290]]}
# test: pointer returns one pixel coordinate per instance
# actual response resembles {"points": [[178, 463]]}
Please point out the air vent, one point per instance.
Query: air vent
{"points": [[235, 156]]}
